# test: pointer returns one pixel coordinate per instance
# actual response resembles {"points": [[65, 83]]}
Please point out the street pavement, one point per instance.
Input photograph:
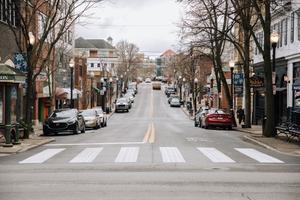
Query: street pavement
{"points": [[152, 152]]}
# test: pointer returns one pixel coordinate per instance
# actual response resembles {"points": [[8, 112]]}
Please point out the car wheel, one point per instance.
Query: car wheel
{"points": [[76, 131], [229, 127]]}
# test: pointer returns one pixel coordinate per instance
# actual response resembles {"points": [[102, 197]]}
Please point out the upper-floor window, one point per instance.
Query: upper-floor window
{"points": [[110, 54], [70, 37], [98, 64], [92, 64], [281, 33], [93, 53], [292, 26], [8, 12], [285, 31]]}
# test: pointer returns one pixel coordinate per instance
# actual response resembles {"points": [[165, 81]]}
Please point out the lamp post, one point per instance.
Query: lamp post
{"points": [[231, 65], [195, 91], [110, 92], [274, 40], [180, 88], [92, 74], [71, 65], [117, 93], [184, 93]]}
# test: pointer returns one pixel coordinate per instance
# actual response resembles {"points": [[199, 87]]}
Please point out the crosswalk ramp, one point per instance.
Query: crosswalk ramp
{"points": [[163, 155]]}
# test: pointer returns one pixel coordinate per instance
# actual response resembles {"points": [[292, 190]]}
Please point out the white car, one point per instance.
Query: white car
{"points": [[102, 116], [91, 118]]}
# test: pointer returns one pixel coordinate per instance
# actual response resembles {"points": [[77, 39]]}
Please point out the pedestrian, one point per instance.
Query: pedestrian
{"points": [[240, 115]]}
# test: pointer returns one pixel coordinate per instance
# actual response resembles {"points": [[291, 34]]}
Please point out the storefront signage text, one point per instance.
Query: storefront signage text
{"points": [[256, 81]]}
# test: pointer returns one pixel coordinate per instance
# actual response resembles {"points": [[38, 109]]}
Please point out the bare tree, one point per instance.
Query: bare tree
{"points": [[129, 60], [48, 21]]}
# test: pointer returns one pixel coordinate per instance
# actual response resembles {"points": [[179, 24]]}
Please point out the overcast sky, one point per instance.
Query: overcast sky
{"points": [[150, 24]]}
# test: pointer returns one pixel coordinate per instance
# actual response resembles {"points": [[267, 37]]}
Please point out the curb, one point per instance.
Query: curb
{"points": [[187, 114], [267, 146], [36, 145]]}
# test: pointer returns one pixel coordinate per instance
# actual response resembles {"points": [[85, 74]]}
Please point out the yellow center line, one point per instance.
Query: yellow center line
{"points": [[152, 135], [147, 135]]}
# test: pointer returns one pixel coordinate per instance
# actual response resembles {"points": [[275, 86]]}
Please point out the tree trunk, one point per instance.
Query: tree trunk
{"points": [[29, 100], [269, 98], [246, 47]]}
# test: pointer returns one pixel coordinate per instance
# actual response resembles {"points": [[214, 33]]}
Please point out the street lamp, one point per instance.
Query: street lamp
{"points": [[195, 91], [117, 81], [71, 65], [92, 74], [274, 40], [110, 91], [231, 65], [180, 88], [31, 38]]}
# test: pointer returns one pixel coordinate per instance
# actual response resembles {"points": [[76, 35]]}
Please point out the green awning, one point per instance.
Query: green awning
{"points": [[9, 74]]}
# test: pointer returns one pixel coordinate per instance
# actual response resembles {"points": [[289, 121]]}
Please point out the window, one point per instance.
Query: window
{"points": [[292, 26], [8, 12], [281, 33], [42, 23], [285, 31], [92, 64], [70, 37], [298, 24]]}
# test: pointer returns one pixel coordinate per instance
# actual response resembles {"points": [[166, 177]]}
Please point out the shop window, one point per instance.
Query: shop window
{"points": [[1, 105], [14, 95], [292, 26]]}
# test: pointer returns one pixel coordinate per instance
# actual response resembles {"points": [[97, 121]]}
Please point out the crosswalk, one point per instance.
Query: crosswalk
{"points": [[166, 155]]}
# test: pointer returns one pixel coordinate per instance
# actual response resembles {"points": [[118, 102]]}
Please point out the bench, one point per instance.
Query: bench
{"points": [[289, 129]]}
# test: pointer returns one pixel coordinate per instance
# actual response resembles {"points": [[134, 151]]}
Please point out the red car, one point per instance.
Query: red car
{"points": [[217, 118]]}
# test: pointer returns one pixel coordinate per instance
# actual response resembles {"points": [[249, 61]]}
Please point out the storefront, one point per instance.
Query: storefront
{"points": [[11, 81]]}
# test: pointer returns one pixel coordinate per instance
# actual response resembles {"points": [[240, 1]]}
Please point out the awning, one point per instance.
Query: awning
{"points": [[9, 74], [296, 85], [65, 93], [280, 89]]}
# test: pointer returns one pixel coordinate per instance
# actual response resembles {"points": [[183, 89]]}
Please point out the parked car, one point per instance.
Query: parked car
{"points": [[64, 120], [122, 104], [147, 80], [216, 117], [133, 86], [131, 91], [175, 102], [130, 97], [102, 116], [129, 102], [170, 90], [91, 118], [199, 115], [171, 97]]}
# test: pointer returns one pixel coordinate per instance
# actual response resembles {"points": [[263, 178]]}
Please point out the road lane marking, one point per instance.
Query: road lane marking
{"points": [[171, 155], [152, 134], [151, 105], [128, 154], [257, 155], [93, 144], [147, 135], [215, 155], [87, 155], [42, 156]]}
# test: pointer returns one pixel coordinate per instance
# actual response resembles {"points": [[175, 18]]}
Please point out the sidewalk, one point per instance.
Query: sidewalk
{"points": [[254, 135], [34, 141]]}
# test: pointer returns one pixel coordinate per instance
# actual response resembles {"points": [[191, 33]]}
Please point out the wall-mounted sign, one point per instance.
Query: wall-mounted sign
{"points": [[7, 78], [256, 81]]}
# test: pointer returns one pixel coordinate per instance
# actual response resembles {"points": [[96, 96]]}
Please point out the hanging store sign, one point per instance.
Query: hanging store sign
{"points": [[256, 81], [238, 81]]}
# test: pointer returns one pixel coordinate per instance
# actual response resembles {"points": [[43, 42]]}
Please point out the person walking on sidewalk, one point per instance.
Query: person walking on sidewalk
{"points": [[240, 115]]}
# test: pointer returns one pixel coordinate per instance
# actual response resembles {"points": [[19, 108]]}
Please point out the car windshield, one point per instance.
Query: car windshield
{"points": [[63, 113], [175, 100], [216, 111], [121, 101], [87, 113]]}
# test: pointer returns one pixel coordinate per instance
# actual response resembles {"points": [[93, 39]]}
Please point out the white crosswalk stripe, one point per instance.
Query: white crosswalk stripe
{"points": [[127, 154], [42, 156], [171, 155], [257, 155], [215, 155], [131, 154], [87, 155]]}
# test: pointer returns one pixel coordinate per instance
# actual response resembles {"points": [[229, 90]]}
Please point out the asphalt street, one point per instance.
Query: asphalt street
{"points": [[152, 152]]}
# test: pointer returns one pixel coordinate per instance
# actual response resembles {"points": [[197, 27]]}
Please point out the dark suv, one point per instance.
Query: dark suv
{"points": [[65, 120]]}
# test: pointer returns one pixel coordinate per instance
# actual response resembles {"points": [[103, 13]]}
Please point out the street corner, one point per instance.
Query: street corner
{"points": [[26, 144], [275, 144]]}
